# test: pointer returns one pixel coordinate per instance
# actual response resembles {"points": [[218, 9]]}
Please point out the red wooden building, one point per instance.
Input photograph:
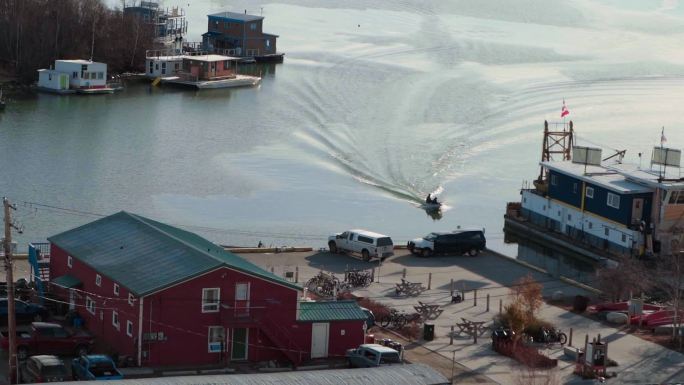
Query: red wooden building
{"points": [[168, 297]]}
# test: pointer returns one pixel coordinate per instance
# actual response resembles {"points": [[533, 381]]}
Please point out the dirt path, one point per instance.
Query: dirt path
{"points": [[416, 353]]}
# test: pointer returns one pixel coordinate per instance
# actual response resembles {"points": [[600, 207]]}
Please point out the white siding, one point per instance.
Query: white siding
{"points": [[587, 222]]}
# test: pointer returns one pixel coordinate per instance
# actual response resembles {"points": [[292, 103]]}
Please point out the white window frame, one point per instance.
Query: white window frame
{"points": [[129, 328], [115, 320], [116, 288], [554, 180], [589, 193], [246, 291], [70, 261], [211, 346], [131, 299], [90, 305], [211, 307], [98, 279], [614, 202]]}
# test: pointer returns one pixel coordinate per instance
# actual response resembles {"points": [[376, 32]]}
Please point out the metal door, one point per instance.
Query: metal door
{"points": [[239, 346], [637, 210], [319, 340]]}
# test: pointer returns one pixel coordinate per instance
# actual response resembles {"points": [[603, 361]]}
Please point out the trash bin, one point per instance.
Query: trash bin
{"points": [[428, 331]]}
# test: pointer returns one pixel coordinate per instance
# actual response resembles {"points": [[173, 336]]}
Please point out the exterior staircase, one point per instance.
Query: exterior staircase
{"points": [[283, 339], [39, 259]]}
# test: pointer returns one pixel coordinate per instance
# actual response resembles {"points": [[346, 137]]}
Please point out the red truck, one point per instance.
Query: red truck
{"points": [[49, 338]]}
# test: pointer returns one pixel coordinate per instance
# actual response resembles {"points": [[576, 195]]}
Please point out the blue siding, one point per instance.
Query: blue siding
{"points": [[564, 190], [599, 205]]}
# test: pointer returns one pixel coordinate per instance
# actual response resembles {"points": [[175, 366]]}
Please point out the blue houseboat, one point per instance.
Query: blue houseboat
{"points": [[602, 207]]}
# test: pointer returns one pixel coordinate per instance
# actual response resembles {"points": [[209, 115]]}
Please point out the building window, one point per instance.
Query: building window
{"points": [[100, 75], [613, 200], [129, 328], [210, 300], [606, 231], [116, 288], [554, 180], [90, 305], [253, 26], [70, 261], [115, 320], [544, 208], [156, 66], [569, 217], [590, 192], [74, 75], [574, 188], [98, 280], [624, 238], [242, 291], [176, 66], [151, 66], [131, 300], [559, 213], [226, 25], [216, 339], [591, 224], [49, 76]]}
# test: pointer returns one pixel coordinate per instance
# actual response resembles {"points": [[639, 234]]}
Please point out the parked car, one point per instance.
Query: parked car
{"points": [[38, 369], [49, 338], [365, 243], [25, 311], [471, 241], [94, 367], [370, 355]]}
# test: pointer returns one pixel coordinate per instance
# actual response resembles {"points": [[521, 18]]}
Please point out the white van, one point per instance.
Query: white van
{"points": [[366, 243]]}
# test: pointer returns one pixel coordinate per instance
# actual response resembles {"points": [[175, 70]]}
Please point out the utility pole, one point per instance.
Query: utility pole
{"points": [[11, 321]]}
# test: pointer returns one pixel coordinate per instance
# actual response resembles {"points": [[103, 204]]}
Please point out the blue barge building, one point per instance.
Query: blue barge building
{"points": [[600, 208]]}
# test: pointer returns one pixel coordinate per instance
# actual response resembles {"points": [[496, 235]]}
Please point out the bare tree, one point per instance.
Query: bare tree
{"points": [[669, 276]]}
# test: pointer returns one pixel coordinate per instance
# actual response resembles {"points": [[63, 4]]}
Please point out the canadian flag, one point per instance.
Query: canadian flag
{"points": [[564, 110]]}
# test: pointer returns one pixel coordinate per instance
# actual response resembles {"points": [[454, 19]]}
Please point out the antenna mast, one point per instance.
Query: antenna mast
{"points": [[556, 142]]}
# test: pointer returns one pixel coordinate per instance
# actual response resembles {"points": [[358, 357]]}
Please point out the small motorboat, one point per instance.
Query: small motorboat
{"points": [[431, 206]]}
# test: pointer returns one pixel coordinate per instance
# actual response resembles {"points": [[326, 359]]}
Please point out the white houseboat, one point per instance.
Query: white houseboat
{"points": [[70, 76], [602, 207]]}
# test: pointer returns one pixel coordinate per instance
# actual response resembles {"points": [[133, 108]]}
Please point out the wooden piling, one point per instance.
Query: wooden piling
{"points": [[487, 303], [570, 338], [429, 281], [403, 274], [452, 287], [451, 336], [500, 306], [475, 297], [296, 274]]}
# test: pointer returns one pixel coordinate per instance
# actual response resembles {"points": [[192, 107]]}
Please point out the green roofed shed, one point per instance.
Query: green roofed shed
{"points": [[331, 311]]}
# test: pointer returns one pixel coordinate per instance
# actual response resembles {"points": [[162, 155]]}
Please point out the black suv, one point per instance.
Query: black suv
{"points": [[456, 242]]}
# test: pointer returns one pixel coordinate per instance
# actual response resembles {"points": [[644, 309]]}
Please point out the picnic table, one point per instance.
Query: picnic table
{"points": [[471, 327], [409, 288], [428, 311]]}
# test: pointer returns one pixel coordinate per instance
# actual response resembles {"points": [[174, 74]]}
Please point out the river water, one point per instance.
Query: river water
{"points": [[378, 104]]}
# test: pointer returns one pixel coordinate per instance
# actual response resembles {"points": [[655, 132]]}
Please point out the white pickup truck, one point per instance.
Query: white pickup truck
{"points": [[365, 243]]}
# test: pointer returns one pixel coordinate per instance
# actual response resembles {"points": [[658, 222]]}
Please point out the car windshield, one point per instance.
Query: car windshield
{"points": [[390, 358], [430, 237], [99, 369], [386, 241], [54, 370]]}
